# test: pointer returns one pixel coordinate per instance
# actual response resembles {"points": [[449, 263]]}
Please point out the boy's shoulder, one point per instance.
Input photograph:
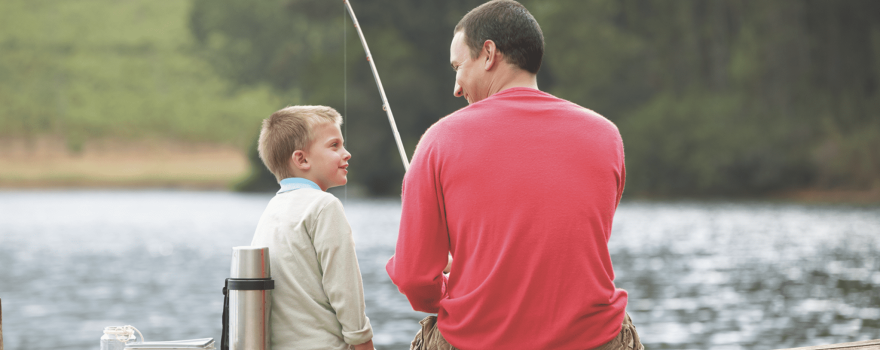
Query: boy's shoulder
{"points": [[305, 200], [310, 195], [326, 199]]}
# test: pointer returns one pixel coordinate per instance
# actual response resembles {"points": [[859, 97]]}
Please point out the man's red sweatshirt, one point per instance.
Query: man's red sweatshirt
{"points": [[521, 188]]}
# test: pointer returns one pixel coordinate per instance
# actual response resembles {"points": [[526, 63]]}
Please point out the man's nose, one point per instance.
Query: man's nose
{"points": [[457, 92]]}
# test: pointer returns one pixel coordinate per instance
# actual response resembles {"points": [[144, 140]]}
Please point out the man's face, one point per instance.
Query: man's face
{"points": [[328, 157], [468, 72]]}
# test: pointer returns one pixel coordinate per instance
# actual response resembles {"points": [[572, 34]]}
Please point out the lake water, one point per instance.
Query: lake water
{"points": [[700, 275]]}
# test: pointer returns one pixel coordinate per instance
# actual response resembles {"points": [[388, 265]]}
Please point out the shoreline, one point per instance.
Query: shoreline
{"points": [[114, 163], [82, 183], [806, 197], [47, 163], [815, 196], [801, 196]]}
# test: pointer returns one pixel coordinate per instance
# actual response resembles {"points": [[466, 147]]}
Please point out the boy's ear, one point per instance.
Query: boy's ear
{"points": [[299, 160]]}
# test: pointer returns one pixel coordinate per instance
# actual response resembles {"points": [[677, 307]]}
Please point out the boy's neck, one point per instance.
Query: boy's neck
{"points": [[300, 174], [296, 183]]}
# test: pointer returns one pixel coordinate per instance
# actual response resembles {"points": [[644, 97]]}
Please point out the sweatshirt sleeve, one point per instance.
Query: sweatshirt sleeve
{"points": [[423, 239], [342, 282], [621, 176]]}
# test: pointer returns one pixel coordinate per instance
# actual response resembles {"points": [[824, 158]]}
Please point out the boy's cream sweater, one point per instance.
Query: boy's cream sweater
{"points": [[318, 301]]}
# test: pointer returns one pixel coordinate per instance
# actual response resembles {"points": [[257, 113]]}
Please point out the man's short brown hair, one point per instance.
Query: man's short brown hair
{"points": [[288, 130], [511, 27]]}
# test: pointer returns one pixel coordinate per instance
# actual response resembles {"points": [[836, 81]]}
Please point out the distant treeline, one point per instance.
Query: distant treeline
{"points": [[738, 97], [735, 97]]}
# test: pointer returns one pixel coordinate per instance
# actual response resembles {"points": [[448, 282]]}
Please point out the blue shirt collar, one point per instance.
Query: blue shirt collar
{"points": [[295, 183]]}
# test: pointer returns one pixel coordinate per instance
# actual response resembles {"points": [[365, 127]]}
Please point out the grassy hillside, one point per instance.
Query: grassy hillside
{"points": [[92, 69]]}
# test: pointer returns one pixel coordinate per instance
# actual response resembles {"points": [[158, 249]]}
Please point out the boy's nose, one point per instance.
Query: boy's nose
{"points": [[346, 156]]}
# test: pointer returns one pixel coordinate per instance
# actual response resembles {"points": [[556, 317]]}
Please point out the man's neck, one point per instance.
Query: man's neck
{"points": [[511, 77]]}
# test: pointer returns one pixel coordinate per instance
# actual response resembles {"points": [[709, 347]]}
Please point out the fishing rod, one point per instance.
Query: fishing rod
{"points": [[385, 106]]}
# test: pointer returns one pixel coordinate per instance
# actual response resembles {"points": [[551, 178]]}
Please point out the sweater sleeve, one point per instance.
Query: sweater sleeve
{"points": [[341, 279], [423, 239], [621, 176]]}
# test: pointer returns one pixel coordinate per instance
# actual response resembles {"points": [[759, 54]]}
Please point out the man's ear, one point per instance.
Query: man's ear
{"points": [[300, 160], [492, 55]]}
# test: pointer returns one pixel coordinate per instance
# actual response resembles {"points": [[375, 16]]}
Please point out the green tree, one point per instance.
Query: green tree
{"points": [[712, 97], [298, 46]]}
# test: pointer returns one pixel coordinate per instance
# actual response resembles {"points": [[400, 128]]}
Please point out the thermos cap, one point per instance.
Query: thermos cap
{"points": [[250, 262]]}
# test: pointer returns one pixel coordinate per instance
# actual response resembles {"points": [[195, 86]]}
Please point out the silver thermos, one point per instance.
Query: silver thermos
{"points": [[248, 299]]}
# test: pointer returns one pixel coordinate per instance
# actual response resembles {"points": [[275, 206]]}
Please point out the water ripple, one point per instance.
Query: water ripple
{"points": [[699, 275]]}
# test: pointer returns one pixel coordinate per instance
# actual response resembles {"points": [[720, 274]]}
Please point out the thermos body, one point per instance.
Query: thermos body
{"points": [[249, 293], [249, 321]]}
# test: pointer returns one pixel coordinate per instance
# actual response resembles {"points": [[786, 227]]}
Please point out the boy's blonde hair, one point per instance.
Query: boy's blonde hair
{"points": [[288, 130]]}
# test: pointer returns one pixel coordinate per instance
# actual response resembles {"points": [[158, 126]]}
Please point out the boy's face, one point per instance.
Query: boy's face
{"points": [[327, 157]]}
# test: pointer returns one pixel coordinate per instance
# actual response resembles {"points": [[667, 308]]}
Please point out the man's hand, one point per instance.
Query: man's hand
{"points": [[448, 264], [365, 346]]}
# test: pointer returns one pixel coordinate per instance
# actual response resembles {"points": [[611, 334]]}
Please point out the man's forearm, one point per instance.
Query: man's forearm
{"points": [[424, 290]]}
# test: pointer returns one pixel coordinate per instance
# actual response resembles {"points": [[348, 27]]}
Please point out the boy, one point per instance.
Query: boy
{"points": [[318, 301]]}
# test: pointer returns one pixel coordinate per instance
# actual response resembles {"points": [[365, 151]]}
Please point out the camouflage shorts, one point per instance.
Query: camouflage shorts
{"points": [[627, 339], [429, 337]]}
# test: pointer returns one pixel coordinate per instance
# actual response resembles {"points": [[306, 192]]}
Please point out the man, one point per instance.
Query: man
{"points": [[520, 187]]}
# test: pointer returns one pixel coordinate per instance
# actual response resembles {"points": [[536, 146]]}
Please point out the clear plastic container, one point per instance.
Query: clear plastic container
{"points": [[116, 338]]}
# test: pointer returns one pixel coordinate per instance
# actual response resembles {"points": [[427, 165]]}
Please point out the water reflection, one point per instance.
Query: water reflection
{"points": [[749, 276], [699, 275]]}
